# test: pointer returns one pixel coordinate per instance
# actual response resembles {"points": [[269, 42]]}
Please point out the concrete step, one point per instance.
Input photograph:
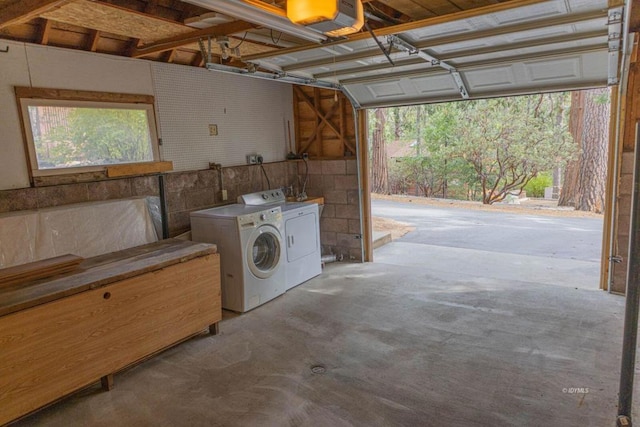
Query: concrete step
{"points": [[381, 238]]}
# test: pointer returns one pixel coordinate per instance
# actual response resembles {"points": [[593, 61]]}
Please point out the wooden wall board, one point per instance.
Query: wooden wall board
{"points": [[634, 22], [324, 127], [138, 169]]}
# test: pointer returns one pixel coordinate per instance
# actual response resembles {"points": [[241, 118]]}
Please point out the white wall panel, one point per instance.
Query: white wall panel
{"points": [[13, 72], [71, 69], [251, 115]]}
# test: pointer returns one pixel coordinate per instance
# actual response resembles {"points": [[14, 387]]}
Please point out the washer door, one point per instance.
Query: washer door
{"points": [[263, 250]]}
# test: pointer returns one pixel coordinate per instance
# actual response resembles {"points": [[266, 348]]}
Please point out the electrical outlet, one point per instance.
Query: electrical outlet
{"points": [[252, 159], [213, 130], [224, 195]]}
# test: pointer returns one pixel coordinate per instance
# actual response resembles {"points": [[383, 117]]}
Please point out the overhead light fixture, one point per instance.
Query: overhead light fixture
{"points": [[335, 18], [261, 13]]}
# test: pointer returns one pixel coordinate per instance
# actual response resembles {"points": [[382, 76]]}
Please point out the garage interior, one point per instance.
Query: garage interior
{"points": [[364, 343]]}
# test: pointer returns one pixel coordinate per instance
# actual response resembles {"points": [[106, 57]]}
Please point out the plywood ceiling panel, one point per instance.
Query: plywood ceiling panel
{"points": [[116, 20]]}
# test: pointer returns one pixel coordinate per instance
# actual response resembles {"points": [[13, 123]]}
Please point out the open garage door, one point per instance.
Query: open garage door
{"points": [[537, 47]]}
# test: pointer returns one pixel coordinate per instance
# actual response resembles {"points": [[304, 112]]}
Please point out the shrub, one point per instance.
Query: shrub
{"points": [[535, 187]]}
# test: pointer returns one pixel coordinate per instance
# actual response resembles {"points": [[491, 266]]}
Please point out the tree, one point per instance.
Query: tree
{"points": [[572, 169], [508, 141], [379, 170], [93, 136], [585, 180]]}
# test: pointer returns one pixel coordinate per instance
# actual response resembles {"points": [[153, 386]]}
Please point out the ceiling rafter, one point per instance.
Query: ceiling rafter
{"points": [[45, 31], [94, 38], [26, 10], [194, 36]]}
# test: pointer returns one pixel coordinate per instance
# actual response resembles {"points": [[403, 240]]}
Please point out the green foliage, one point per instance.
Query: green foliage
{"points": [[96, 136], [535, 187], [482, 149]]}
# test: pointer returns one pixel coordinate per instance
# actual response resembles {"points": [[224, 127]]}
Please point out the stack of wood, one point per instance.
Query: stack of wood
{"points": [[37, 270]]}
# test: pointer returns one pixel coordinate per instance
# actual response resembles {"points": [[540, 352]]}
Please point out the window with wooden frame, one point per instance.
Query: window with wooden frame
{"points": [[68, 131]]}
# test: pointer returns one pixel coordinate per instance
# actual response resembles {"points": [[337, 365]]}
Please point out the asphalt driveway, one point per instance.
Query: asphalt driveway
{"points": [[548, 249]]}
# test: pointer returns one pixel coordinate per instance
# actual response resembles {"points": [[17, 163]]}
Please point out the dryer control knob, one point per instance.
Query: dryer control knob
{"points": [[263, 217]]}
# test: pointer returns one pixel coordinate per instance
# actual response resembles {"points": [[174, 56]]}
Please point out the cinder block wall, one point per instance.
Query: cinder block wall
{"points": [[337, 182], [194, 190], [65, 194]]}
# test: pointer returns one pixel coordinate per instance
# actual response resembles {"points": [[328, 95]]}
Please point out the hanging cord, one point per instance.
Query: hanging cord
{"points": [[241, 41], [276, 41], [265, 175]]}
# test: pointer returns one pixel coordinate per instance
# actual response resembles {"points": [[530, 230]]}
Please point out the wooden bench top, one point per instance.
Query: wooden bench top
{"points": [[100, 271]]}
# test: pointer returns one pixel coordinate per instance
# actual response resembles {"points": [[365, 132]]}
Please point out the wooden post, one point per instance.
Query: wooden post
{"points": [[611, 193], [363, 170]]}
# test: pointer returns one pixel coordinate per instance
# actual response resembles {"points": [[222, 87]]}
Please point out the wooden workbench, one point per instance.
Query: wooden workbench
{"points": [[59, 335]]}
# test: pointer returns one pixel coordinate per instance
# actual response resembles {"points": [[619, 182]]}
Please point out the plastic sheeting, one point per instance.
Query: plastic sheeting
{"points": [[86, 230]]}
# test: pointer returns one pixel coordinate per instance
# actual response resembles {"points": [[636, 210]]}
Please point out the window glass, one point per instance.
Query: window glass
{"points": [[66, 136]]}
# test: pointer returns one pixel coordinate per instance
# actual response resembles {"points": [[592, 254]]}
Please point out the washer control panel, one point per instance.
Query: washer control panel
{"points": [[256, 219], [263, 198]]}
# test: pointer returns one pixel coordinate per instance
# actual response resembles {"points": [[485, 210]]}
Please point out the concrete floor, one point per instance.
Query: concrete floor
{"points": [[402, 345]]}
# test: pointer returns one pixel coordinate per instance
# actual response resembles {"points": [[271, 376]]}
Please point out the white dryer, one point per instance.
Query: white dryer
{"points": [[302, 234], [252, 255]]}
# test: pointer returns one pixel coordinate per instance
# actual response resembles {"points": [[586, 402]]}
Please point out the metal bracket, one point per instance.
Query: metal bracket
{"points": [[616, 259], [623, 421], [615, 42], [385, 51], [431, 60]]}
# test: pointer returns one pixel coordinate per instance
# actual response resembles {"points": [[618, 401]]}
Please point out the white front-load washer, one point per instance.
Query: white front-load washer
{"points": [[302, 234], [252, 255]]}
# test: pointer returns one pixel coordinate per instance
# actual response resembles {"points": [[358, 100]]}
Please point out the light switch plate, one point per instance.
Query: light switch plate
{"points": [[213, 130]]}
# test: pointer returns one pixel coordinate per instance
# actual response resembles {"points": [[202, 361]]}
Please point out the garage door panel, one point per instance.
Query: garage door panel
{"points": [[528, 13], [491, 78], [437, 85], [534, 48], [554, 70], [380, 91]]}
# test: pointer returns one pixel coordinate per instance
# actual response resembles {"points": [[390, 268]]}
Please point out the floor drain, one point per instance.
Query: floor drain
{"points": [[318, 369]]}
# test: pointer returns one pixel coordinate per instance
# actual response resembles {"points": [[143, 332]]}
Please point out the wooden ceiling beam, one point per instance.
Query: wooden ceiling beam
{"points": [[388, 13], [94, 38], [45, 31], [170, 55], [198, 61], [184, 39], [26, 10]]}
